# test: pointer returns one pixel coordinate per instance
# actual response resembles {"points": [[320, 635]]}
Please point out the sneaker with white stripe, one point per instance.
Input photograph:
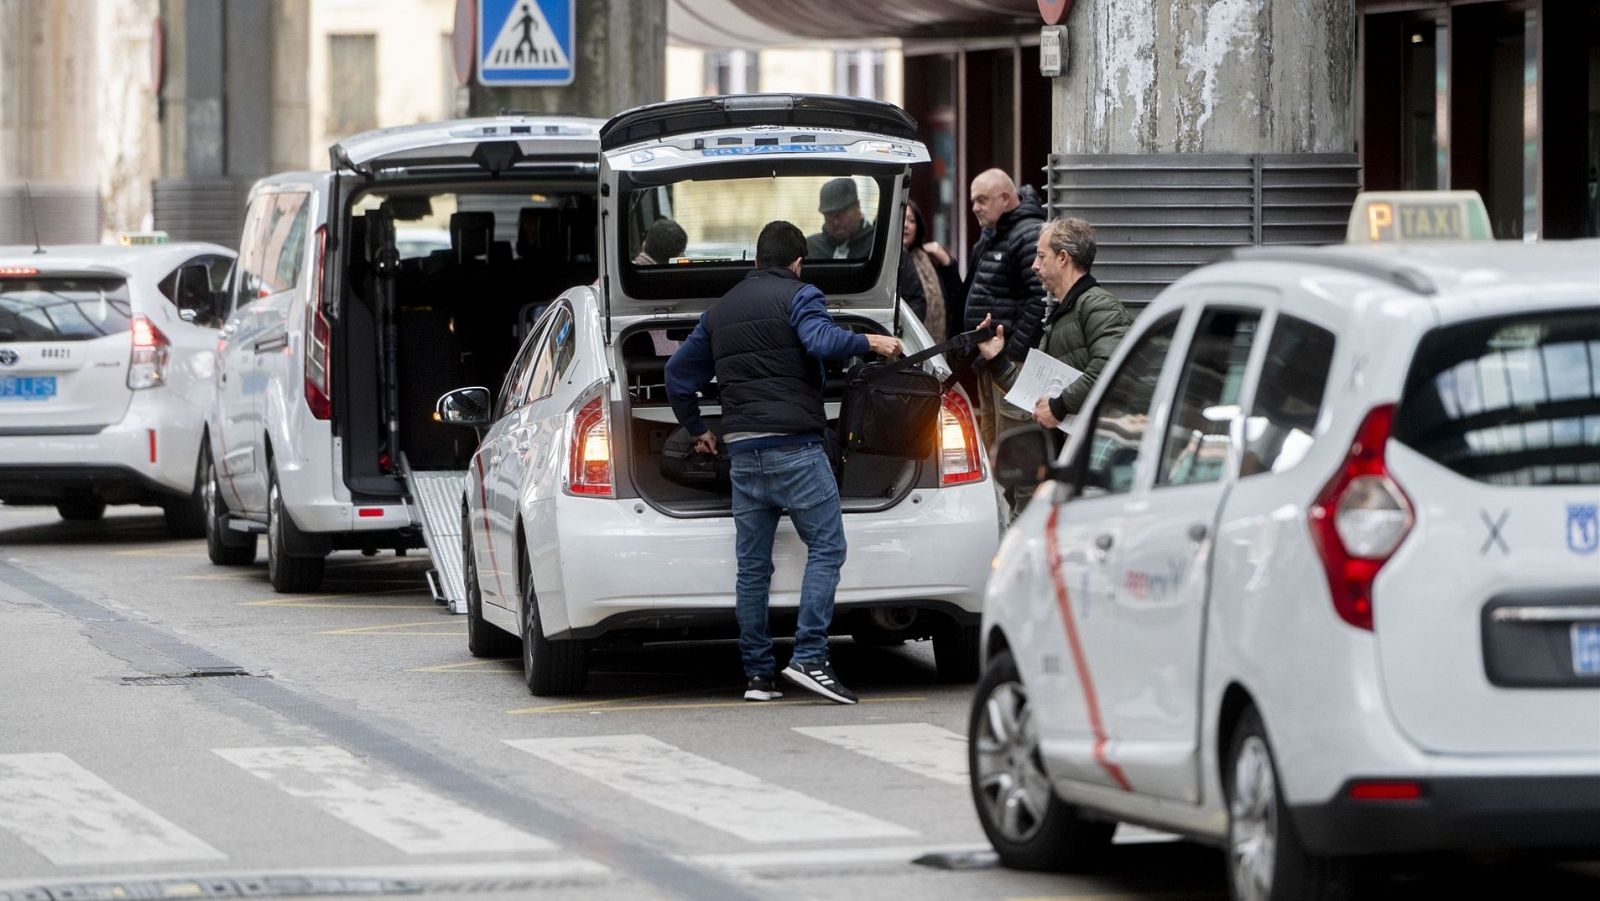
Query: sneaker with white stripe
{"points": [[819, 678]]}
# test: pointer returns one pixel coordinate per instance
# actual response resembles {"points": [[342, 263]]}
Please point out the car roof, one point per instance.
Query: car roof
{"points": [[135, 259]]}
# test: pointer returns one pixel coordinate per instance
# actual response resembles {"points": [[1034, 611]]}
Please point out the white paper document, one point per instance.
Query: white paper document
{"points": [[1042, 376]]}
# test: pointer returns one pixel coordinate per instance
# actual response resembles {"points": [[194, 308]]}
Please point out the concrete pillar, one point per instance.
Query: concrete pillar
{"points": [[1225, 76], [620, 58]]}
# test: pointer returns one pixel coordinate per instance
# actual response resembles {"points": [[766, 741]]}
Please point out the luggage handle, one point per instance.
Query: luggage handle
{"points": [[963, 341]]}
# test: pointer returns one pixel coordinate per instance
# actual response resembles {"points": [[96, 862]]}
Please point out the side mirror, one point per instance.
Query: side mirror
{"points": [[193, 295], [464, 406], [1024, 457]]}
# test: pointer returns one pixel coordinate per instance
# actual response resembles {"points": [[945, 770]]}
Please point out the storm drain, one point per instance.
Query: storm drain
{"points": [[189, 678]]}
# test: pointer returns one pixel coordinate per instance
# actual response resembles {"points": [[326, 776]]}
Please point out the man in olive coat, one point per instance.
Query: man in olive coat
{"points": [[1081, 330]]}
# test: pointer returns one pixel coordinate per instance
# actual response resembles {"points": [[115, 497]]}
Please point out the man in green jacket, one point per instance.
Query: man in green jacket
{"points": [[1081, 329]]}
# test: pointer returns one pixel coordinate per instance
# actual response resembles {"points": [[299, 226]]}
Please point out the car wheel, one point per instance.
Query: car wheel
{"points": [[1266, 861], [287, 573], [1030, 827], [955, 652], [550, 667], [224, 546], [186, 516], [81, 510], [484, 639]]}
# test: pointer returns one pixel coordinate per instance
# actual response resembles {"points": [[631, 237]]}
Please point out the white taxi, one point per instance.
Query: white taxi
{"points": [[1317, 575], [107, 355]]}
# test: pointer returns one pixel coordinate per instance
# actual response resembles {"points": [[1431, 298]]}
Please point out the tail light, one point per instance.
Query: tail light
{"points": [[589, 469], [960, 460], [147, 364], [319, 372], [1359, 520]]}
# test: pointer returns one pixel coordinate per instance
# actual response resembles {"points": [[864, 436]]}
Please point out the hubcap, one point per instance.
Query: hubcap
{"points": [[1007, 775], [1253, 821]]}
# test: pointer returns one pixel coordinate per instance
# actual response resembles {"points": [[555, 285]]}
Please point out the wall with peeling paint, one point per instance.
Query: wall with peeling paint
{"points": [[1207, 76]]}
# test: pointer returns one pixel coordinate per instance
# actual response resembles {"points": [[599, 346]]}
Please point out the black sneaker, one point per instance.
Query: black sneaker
{"points": [[819, 678], [762, 688]]}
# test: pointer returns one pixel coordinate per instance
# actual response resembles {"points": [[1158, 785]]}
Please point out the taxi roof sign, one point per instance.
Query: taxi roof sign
{"points": [[135, 238], [1408, 217]]}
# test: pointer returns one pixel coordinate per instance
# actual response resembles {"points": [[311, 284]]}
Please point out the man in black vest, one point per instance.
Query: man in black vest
{"points": [[764, 342]]}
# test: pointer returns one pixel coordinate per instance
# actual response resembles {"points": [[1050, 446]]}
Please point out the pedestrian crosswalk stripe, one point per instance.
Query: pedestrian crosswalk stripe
{"points": [[922, 748], [712, 793], [72, 816], [405, 815]]}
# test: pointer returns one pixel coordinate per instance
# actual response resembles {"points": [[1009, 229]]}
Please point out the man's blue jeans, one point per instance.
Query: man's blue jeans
{"points": [[766, 482]]}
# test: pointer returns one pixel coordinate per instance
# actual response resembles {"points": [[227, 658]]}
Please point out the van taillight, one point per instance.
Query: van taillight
{"points": [[589, 448], [319, 371], [960, 460], [147, 363], [1359, 520]]}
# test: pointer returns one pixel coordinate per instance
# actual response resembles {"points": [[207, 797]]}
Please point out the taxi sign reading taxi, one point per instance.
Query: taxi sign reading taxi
{"points": [[1387, 217], [525, 42]]}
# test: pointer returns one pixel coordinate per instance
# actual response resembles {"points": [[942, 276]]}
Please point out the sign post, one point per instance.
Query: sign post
{"points": [[525, 43]]}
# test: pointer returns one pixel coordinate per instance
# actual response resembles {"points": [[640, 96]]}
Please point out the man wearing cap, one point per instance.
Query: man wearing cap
{"points": [[846, 233]]}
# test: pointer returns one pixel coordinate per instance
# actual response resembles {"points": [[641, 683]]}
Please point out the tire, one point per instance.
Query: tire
{"points": [[955, 652], [484, 639], [186, 516], [549, 667], [1266, 861], [84, 510], [288, 574], [1030, 827], [224, 546]]}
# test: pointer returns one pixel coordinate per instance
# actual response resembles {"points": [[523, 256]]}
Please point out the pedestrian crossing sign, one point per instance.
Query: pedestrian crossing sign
{"points": [[525, 42]]}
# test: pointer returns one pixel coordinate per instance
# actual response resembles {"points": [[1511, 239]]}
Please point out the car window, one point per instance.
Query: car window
{"points": [[48, 308], [1509, 400], [283, 250], [515, 389], [1279, 429], [1198, 434], [247, 276], [1124, 413], [554, 354]]}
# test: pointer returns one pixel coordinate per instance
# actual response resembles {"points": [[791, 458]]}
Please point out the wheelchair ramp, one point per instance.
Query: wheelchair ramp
{"points": [[434, 498]]}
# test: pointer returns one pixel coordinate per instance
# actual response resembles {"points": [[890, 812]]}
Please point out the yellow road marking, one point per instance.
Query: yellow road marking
{"points": [[608, 706], [471, 666], [228, 577], [158, 552], [318, 600], [395, 629]]}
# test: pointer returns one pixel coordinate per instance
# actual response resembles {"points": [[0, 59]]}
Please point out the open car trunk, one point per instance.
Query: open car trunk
{"points": [[866, 482]]}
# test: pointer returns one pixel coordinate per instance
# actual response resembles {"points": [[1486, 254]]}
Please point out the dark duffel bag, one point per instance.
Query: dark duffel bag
{"points": [[683, 465], [891, 408]]}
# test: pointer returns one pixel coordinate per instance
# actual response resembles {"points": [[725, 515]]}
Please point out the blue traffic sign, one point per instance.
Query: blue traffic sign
{"points": [[525, 42]]}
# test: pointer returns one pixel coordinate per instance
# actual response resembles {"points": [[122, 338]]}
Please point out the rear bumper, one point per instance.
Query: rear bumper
{"points": [[30, 483], [1460, 813]]}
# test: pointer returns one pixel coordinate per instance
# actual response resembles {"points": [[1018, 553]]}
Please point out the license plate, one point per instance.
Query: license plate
{"points": [[27, 387], [1586, 649]]}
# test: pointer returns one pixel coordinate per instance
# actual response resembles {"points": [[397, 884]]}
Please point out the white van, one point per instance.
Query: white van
{"points": [[336, 344]]}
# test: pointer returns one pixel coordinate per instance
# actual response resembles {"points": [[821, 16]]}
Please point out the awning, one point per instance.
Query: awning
{"points": [[757, 24]]}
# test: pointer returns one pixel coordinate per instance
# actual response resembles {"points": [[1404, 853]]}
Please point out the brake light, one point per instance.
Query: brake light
{"points": [[147, 362], [17, 271], [319, 371], [589, 447], [960, 460], [1360, 519]]}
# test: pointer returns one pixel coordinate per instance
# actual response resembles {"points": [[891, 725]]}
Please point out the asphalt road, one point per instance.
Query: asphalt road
{"points": [[345, 743]]}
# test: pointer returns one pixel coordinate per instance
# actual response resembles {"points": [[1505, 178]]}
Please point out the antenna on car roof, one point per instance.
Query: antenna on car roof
{"points": [[33, 216]]}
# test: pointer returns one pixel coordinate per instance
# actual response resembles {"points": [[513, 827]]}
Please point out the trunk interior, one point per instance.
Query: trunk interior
{"points": [[866, 483], [451, 313]]}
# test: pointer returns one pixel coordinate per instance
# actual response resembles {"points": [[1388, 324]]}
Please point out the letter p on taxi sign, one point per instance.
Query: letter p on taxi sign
{"points": [[525, 43]]}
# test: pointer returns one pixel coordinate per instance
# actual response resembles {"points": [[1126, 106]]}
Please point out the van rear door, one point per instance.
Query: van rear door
{"points": [[489, 145], [65, 345]]}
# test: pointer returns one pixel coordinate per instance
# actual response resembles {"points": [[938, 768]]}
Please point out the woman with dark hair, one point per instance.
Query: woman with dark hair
{"points": [[938, 273]]}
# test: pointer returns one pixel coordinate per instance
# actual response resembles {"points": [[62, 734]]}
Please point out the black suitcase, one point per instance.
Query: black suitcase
{"points": [[891, 408], [682, 464]]}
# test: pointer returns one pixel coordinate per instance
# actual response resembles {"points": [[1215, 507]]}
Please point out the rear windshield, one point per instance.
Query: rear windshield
{"points": [[1513, 400], [62, 309]]}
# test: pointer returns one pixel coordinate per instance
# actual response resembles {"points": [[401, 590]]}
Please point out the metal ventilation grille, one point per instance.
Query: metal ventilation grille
{"points": [[1157, 216], [201, 209]]}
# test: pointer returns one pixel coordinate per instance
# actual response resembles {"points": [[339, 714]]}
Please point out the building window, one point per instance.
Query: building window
{"points": [[352, 83], [732, 72], [858, 73]]}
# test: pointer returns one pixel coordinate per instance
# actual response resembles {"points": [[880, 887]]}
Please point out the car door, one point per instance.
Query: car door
{"points": [[236, 423], [1080, 537], [496, 520], [1161, 568]]}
